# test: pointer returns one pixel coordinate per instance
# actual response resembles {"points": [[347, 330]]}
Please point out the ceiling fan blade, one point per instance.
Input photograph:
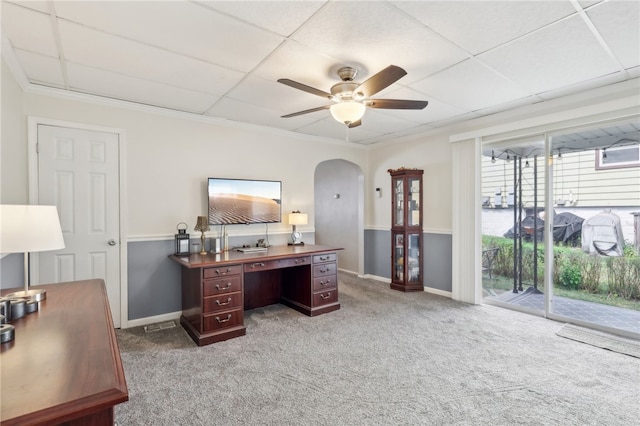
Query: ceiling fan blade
{"points": [[306, 111], [381, 80], [396, 104], [304, 88], [354, 124]]}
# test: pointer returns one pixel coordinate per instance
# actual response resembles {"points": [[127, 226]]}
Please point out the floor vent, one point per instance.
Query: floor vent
{"points": [[159, 326]]}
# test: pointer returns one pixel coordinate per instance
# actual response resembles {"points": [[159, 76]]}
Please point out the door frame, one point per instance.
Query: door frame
{"points": [[32, 160]]}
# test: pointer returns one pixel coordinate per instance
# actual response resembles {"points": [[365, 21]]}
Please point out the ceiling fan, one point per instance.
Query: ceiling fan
{"points": [[351, 99]]}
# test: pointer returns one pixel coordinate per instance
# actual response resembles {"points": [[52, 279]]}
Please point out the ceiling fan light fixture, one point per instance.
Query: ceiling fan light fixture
{"points": [[347, 112]]}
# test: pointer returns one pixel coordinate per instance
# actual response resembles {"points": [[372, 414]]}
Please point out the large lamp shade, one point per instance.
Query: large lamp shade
{"points": [[29, 228], [25, 229]]}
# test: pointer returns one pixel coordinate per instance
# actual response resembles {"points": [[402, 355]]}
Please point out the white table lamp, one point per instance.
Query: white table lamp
{"points": [[26, 229], [297, 218]]}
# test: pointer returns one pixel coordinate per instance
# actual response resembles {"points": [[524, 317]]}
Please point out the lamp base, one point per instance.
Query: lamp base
{"points": [[34, 294], [299, 243]]}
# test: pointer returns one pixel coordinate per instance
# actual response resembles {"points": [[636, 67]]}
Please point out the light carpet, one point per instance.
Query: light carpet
{"points": [[385, 358]]}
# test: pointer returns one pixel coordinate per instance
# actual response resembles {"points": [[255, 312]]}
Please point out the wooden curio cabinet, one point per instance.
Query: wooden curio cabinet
{"points": [[406, 230]]}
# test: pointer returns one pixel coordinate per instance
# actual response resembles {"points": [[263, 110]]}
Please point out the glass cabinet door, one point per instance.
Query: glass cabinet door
{"points": [[398, 201], [398, 257], [413, 202], [413, 258]]}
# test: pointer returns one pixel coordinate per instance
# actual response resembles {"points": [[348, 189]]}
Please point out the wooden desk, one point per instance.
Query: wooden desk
{"points": [[64, 364], [218, 288]]}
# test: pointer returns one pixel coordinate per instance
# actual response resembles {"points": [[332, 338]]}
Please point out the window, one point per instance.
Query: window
{"points": [[618, 157]]}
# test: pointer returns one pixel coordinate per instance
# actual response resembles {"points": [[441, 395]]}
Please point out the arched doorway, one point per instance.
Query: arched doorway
{"points": [[339, 211]]}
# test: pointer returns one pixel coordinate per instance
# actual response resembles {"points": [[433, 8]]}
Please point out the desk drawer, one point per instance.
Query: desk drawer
{"points": [[261, 265], [222, 302], [213, 322], [325, 283], [222, 285], [221, 271], [326, 269], [296, 261], [325, 297], [326, 257]]}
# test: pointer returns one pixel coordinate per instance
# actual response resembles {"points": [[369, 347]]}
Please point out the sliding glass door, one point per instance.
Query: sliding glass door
{"points": [[560, 214], [513, 214]]}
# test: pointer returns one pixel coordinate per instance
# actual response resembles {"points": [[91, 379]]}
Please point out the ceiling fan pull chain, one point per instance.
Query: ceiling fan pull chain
{"points": [[347, 134]]}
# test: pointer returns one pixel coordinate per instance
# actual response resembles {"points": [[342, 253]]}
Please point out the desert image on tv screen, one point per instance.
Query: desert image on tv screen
{"points": [[243, 201]]}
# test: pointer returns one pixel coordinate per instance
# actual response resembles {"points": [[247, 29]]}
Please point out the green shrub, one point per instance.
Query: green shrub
{"points": [[624, 277], [591, 272], [570, 276]]}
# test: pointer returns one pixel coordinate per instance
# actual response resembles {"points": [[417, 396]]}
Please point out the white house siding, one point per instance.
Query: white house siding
{"points": [[577, 183], [578, 188]]}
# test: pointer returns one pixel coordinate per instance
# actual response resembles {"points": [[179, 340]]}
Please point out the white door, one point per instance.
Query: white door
{"points": [[78, 171]]}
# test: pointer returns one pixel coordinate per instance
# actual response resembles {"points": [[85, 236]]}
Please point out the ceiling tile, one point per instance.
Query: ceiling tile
{"points": [[380, 121], [273, 95], [380, 37], [477, 26], [231, 109], [559, 55], [619, 25], [18, 24], [181, 27], [41, 6], [280, 17], [470, 86], [100, 50], [117, 86], [41, 69], [330, 128], [436, 110], [297, 62]]}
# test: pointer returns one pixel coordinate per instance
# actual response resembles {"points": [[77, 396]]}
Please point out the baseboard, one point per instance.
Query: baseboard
{"points": [[152, 320], [438, 292], [426, 289], [377, 278]]}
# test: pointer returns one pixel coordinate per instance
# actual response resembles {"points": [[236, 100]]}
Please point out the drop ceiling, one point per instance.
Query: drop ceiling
{"points": [[223, 58]]}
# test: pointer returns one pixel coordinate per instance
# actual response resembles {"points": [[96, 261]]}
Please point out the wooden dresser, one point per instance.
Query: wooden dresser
{"points": [[217, 289], [64, 366]]}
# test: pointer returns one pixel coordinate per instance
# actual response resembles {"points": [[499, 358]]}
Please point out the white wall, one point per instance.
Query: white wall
{"points": [[431, 154], [169, 157], [13, 145]]}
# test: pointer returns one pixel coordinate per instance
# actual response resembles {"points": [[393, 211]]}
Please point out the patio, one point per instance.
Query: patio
{"points": [[604, 315]]}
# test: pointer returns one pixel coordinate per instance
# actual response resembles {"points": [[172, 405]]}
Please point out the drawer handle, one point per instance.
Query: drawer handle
{"points": [[323, 270], [223, 320], [325, 258], [327, 282], [297, 261], [257, 264], [228, 271], [223, 303], [325, 297], [221, 288]]}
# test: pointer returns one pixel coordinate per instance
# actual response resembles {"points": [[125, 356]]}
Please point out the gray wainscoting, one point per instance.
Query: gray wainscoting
{"points": [[153, 279], [12, 271], [437, 257]]}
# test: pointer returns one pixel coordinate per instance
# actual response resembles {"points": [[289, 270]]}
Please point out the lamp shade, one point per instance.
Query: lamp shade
{"points": [[347, 111], [297, 218], [202, 224], [29, 228]]}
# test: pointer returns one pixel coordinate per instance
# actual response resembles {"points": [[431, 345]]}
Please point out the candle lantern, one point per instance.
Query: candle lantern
{"points": [[182, 240]]}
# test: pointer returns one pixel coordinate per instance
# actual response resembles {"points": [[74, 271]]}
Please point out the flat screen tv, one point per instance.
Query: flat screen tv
{"points": [[244, 201]]}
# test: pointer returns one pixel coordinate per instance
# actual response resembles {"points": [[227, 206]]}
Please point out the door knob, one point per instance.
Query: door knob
{"points": [[112, 242]]}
